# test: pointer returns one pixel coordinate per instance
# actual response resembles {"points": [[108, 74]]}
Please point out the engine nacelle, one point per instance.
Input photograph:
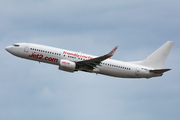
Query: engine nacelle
{"points": [[67, 65]]}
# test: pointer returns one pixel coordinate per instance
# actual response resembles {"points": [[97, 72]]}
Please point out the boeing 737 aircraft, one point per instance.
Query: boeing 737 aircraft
{"points": [[71, 61]]}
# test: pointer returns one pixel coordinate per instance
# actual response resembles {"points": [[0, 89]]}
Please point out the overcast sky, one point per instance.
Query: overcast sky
{"points": [[33, 91]]}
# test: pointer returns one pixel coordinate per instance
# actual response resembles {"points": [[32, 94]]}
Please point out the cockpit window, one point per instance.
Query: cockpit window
{"points": [[15, 45]]}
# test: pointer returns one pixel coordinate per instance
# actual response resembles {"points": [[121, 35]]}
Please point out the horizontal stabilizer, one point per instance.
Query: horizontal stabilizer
{"points": [[159, 70]]}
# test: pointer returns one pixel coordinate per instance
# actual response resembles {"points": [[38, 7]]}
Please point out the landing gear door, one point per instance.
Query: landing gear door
{"points": [[26, 48]]}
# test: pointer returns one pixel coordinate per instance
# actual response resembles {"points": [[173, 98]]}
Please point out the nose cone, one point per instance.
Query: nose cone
{"points": [[8, 48]]}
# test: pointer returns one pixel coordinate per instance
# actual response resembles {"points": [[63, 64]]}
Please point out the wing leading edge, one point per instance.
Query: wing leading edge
{"points": [[91, 63]]}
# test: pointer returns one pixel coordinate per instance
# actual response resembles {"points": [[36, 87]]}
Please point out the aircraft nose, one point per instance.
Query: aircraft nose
{"points": [[8, 48]]}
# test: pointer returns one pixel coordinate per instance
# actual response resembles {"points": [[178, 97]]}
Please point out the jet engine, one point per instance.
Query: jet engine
{"points": [[67, 65]]}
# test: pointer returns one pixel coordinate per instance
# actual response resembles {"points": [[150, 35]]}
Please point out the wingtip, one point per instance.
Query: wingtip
{"points": [[113, 51]]}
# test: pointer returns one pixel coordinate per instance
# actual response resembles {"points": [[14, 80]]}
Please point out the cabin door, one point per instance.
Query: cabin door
{"points": [[26, 48], [137, 71]]}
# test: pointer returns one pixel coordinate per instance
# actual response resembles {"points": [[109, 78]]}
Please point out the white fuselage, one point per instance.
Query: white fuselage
{"points": [[53, 55]]}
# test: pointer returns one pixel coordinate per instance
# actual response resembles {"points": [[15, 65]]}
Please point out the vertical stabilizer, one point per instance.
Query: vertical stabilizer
{"points": [[157, 59]]}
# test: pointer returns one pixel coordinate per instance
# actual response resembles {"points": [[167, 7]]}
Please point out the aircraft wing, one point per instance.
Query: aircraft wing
{"points": [[91, 63], [159, 70]]}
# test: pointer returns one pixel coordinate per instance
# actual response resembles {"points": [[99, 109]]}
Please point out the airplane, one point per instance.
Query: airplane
{"points": [[71, 61]]}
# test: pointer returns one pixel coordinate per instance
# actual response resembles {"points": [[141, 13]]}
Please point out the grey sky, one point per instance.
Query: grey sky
{"points": [[29, 90]]}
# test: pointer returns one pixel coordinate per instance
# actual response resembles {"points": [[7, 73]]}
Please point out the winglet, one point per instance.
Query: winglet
{"points": [[113, 51]]}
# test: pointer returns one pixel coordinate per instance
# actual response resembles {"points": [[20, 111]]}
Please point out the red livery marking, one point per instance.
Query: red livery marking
{"points": [[113, 51], [77, 55], [40, 56], [66, 63]]}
